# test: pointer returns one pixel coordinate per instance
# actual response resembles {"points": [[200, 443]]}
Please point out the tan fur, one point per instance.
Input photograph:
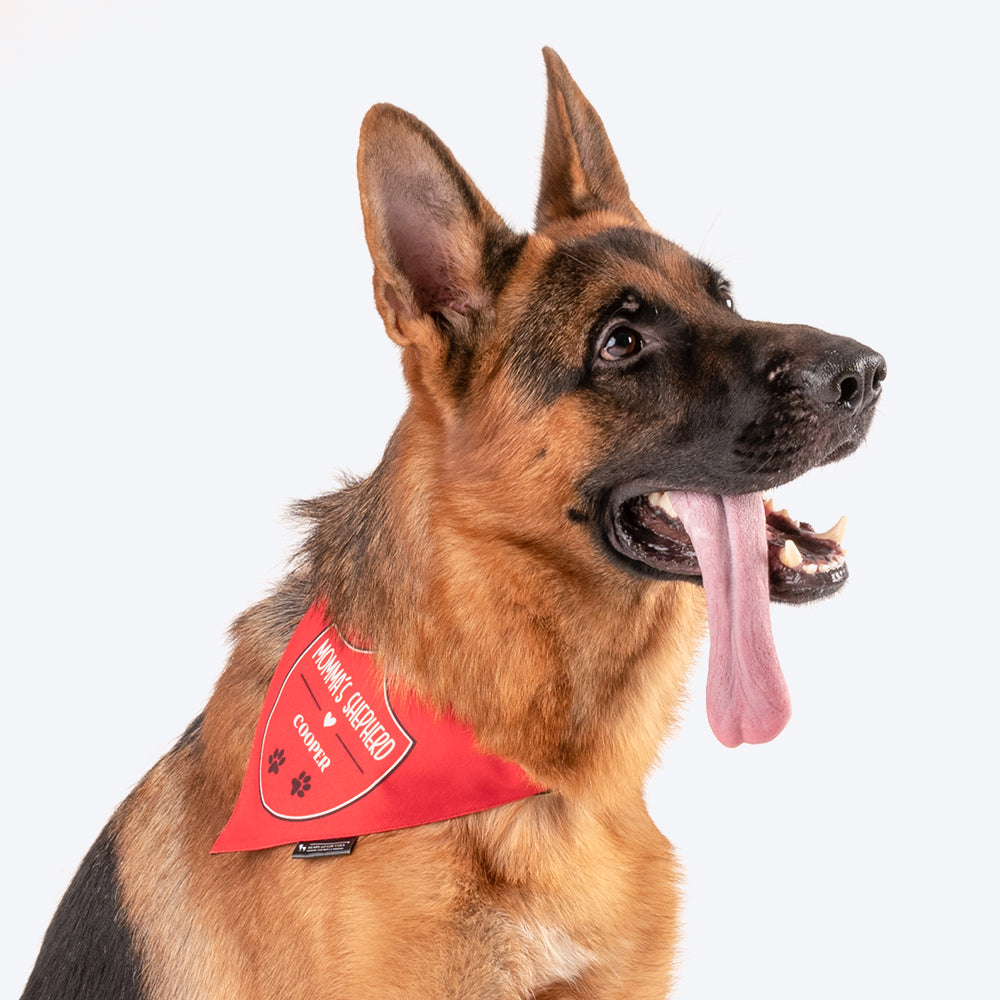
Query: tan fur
{"points": [[570, 894]]}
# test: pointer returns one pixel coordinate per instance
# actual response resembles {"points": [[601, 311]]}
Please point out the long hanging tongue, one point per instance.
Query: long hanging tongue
{"points": [[747, 697]]}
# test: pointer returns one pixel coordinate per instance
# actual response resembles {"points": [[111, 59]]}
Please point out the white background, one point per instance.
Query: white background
{"points": [[188, 344]]}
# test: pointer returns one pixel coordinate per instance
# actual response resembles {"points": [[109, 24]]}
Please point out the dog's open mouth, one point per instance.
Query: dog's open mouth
{"points": [[746, 554], [803, 564]]}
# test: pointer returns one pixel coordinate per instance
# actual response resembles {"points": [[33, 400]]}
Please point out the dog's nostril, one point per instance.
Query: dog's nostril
{"points": [[878, 377], [849, 387]]}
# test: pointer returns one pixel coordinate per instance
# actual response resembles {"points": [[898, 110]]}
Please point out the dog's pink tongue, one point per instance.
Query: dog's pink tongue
{"points": [[747, 697]]}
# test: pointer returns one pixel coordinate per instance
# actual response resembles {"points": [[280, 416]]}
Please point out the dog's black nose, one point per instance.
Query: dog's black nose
{"points": [[848, 376]]}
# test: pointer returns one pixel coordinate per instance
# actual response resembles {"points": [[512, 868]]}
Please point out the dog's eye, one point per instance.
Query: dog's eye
{"points": [[622, 342], [718, 288], [725, 296]]}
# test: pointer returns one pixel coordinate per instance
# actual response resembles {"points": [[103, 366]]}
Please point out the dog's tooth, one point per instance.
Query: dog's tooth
{"points": [[836, 533], [790, 555], [662, 501], [811, 568], [769, 505]]}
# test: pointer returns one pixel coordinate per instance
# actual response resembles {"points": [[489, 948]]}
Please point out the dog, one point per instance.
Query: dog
{"points": [[493, 630]]}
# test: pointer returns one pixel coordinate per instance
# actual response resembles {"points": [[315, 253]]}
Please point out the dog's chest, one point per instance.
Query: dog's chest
{"points": [[530, 953], [553, 955]]}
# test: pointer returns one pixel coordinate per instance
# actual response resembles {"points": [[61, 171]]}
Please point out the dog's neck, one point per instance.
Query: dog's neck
{"points": [[572, 673]]}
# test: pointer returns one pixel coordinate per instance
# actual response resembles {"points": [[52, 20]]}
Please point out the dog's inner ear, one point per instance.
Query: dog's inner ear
{"points": [[580, 172], [428, 228]]}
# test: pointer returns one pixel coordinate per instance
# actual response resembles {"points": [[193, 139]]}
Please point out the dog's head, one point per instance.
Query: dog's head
{"points": [[597, 398]]}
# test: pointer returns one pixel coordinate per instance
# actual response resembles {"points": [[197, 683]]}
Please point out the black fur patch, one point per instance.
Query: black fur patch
{"points": [[192, 734], [88, 953], [621, 243]]}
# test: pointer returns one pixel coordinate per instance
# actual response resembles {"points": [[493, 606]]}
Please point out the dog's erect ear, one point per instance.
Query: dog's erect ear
{"points": [[439, 249], [580, 172]]}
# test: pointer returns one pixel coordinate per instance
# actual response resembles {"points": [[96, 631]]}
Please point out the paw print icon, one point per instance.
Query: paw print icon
{"points": [[301, 784], [274, 761]]}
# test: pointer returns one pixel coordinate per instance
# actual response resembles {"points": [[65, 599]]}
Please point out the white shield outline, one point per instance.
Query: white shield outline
{"points": [[360, 795]]}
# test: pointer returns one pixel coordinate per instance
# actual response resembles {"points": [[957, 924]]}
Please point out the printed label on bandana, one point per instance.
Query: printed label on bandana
{"points": [[331, 736], [334, 758]]}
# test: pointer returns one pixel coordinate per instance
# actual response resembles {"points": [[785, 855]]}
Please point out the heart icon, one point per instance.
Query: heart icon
{"points": [[329, 720]]}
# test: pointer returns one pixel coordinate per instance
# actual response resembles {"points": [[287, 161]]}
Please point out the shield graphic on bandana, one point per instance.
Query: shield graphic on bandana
{"points": [[331, 736]]}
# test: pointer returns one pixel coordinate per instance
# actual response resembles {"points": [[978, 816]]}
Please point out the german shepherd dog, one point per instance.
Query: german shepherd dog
{"points": [[574, 488]]}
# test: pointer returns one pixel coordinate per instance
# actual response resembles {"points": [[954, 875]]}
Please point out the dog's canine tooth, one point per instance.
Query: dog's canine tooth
{"points": [[791, 557], [662, 501], [836, 533]]}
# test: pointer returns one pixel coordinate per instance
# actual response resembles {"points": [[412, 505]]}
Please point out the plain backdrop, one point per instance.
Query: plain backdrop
{"points": [[189, 344]]}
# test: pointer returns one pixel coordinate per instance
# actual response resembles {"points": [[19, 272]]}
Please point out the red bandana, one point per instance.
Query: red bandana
{"points": [[332, 757]]}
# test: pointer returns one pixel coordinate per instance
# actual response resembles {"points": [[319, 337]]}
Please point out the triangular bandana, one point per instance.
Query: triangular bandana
{"points": [[333, 757]]}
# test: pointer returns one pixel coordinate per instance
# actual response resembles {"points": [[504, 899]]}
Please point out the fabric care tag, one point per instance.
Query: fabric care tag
{"points": [[333, 758], [324, 848]]}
